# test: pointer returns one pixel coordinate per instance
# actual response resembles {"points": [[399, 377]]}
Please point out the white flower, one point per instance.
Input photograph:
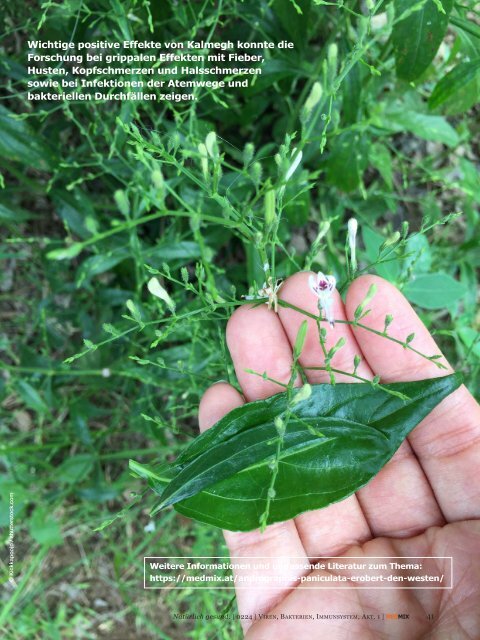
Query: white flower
{"points": [[323, 286], [293, 167], [211, 144], [270, 291], [352, 241]]}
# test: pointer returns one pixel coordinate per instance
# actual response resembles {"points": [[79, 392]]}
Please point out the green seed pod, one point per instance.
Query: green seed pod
{"points": [[356, 361], [270, 216], [256, 173], [302, 394], [280, 426], [332, 63], [157, 179], [394, 238]]}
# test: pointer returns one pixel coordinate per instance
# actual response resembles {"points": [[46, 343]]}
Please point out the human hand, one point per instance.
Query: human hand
{"points": [[424, 502]]}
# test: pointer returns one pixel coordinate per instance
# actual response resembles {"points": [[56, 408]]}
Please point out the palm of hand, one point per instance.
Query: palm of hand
{"points": [[429, 613], [425, 502]]}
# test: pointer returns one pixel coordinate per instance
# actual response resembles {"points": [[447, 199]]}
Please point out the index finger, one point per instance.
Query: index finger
{"points": [[447, 441]]}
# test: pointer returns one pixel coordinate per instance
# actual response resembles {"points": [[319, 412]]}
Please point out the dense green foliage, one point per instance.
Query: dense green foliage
{"points": [[98, 198]]}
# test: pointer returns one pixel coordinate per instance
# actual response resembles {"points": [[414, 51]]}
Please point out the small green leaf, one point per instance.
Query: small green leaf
{"points": [[121, 200], [31, 397], [352, 92], [134, 310], [20, 143], [75, 209], [418, 254], [44, 529], [99, 263], [381, 159], [397, 118], [75, 468], [12, 213], [459, 87], [390, 269], [434, 291], [470, 339]]}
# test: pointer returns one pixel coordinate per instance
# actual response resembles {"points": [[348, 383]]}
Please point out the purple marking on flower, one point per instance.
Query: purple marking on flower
{"points": [[323, 286]]}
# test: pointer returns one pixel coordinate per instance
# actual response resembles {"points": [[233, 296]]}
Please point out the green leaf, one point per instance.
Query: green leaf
{"points": [[94, 265], [352, 94], [468, 26], [418, 35], [381, 159], [31, 397], [347, 160], [419, 254], [389, 269], [295, 22], [434, 291], [44, 529], [297, 205], [76, 210], [20, 143], [75, 468], [428, 127], [11, 213], [458, 89], [335, 441], [470, 339]]}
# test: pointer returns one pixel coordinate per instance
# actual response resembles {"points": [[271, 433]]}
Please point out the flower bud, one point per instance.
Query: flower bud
{"points": [[352, 242], [248, 153], [293, 167], [121, 201], [332, 62], [311, 102], [158, 291], [211, 144]]}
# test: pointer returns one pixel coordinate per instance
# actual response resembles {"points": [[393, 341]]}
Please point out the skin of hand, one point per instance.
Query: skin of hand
{"points": [[424, 502]]}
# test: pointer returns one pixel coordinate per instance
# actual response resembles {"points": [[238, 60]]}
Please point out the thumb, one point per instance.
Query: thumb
{"points": [[280, 540]]}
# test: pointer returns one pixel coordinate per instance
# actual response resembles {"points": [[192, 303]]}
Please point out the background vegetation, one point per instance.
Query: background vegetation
{"points": [[97, 198]]}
